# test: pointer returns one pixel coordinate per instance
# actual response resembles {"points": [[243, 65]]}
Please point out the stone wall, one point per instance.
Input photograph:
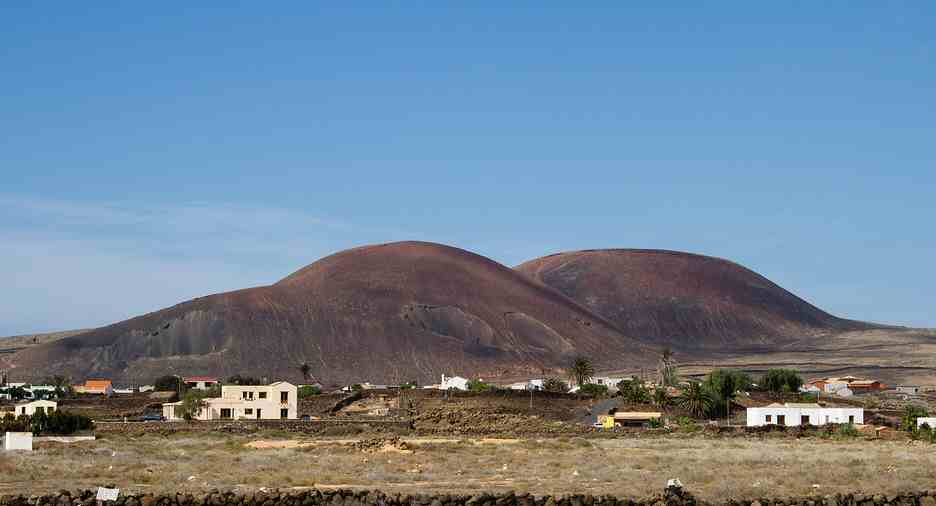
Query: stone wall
{"points": [[669, 497], [334, 427]]}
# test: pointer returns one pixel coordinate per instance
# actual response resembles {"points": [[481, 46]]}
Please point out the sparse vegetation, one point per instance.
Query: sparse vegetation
{"points": [[478, 386], [555, 385], [633, 391], [911, 412], [169, 383], [308, 391], [593, 390], [711, 468], [58, 422]]}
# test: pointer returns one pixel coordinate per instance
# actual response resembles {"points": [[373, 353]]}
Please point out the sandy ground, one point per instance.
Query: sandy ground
{"points": [[624, 467]]}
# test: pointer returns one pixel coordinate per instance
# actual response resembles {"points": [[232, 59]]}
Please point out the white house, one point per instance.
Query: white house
{"points": [[453, 383], [930, 421], [276, 401], [32, 407], [533, 384], [200, 382], [908, 389], [793, 414]]}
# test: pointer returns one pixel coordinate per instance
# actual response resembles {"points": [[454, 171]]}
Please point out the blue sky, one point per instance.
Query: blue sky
{"points": [[153, 153]]}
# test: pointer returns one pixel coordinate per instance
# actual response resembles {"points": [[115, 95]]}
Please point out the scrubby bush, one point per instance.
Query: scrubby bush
{"points": [[555, 385], [168, 383], [661, 398], [633, 391], [846, 431], [478, 386], [57, 422], [309, 391], [594, 390]]}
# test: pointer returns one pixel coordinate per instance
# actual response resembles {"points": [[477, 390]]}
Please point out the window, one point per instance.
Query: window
{"points": [[226, 413], [284, 413], [284, 397], [263, 395], [781, 419], [769, 418], [258, 413], [851, 418], [248, 411], [244, 395], [804, 419]]}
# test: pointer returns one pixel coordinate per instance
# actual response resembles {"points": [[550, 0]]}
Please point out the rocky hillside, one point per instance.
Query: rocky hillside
{"points": [[683, 300]]}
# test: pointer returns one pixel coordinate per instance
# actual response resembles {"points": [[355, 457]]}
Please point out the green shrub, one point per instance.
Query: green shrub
{"points": [[594, 390], [780, 381], [309, 391], [555, 385], [846, 431], [911, 413], [478, 386], [58, 422], [655, 423]]}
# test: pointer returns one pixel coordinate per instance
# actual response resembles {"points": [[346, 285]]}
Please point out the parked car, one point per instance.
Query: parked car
{"points": [[153, 418]]}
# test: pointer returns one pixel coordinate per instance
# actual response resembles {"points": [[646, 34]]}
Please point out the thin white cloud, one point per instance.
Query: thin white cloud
{"points": [[72, 264]]}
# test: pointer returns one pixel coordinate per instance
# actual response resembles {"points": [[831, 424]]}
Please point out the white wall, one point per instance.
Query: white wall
{"points": [[931, 421], [757, 417], [18, 441]]}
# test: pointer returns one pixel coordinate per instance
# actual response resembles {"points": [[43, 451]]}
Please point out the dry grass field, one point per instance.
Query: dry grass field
{"points": [[710, 468]]}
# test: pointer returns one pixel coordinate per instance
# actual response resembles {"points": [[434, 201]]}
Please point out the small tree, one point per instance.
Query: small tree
{"points": [[911, 413], [306, 370], [633, 391], [555, 385], [581, 370], [695, 399], [168, 383], [725, 385], [779, 381], [192, 403], [243, 380]]}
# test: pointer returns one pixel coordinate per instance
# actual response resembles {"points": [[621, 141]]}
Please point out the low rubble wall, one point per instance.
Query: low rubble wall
{"points": [[322, 427], [314, 497]]}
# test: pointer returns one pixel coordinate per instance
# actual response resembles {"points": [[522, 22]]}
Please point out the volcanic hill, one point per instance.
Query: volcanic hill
{"points": [[383, 313], [683, 300]]}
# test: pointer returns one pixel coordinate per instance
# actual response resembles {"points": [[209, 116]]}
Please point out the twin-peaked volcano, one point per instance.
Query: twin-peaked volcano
{"points": [[384, 313], [414, 310]]}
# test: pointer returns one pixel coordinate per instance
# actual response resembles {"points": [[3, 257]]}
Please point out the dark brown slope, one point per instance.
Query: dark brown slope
{"points": [[687, 301], [379, 313]]}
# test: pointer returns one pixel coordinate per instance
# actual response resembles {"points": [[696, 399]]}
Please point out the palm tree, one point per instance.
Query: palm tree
{"points": [[695, 399], [669, 375], [661, 397], [581, 370], [306, 370]]}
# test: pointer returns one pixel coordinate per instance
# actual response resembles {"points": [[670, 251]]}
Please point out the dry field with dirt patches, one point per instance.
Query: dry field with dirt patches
{"points": [[713, 469]]}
